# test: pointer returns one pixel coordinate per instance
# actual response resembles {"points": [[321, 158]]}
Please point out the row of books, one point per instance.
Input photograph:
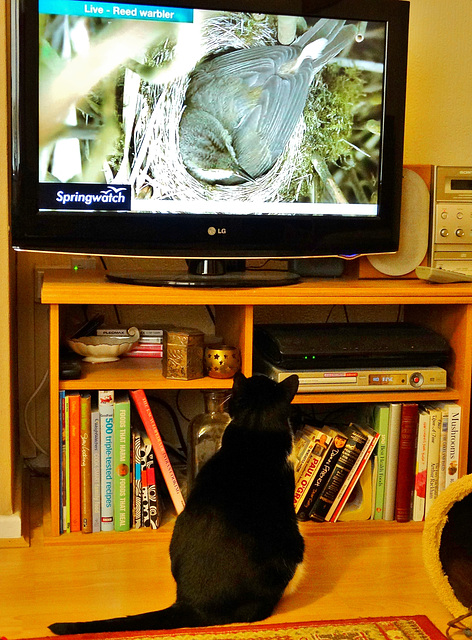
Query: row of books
{"points": [[417, 457], [394, 468], [401, 463], [328, 463], [108, 467], [149, 345]]}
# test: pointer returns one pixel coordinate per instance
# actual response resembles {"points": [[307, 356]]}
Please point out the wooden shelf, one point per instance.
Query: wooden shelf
{"points": [[91, 287], [141, 373], [164, 533], [376, 396], [446, 309], [135, 373]]}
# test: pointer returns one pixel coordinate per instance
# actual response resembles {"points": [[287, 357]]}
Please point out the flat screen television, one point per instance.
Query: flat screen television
{"points": [[208, 129]]}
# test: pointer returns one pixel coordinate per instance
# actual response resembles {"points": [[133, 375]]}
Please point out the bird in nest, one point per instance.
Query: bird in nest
{"points": [[242, 106]]}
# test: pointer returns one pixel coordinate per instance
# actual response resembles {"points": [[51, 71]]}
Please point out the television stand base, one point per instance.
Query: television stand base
{"points": [[232, 279]]}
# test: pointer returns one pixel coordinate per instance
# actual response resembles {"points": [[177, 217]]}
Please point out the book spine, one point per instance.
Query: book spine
{"points": [[304, 446], [453, 443], [165, 466], [142, 354], [121, 454], [105, 407], [392, 460], [406, 461], [381, 420], [67, 463], [305, 481], [62, 462], [146, 452], [324, 471], [112, 332], [147, 346], [313, 446], [152, 333], [419, 492], [352, 478], [153, 498], [74, 446], [432, 475], [351, 452], [95, 428], [85, 464], [137, 443], [132, 498], [443, 448]]}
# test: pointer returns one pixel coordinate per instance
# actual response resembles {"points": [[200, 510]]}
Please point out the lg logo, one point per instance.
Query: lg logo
{"points": [[213, 231]]}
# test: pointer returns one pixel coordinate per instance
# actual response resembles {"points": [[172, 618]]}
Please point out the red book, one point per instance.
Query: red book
{"points": [[146, 346], [145, 413], [74, 461], [406, 461]]}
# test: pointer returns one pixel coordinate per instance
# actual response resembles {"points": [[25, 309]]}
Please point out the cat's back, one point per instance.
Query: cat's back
{"points": [[251, 473]]}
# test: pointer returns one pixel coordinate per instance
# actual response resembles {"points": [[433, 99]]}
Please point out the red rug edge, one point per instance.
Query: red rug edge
{"points": [[423, 622]]}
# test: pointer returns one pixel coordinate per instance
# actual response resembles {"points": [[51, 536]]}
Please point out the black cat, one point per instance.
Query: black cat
{"points": [[236, 546]]}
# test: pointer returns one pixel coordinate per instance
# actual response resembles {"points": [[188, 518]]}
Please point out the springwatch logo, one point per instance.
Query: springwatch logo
{"points": [[112, 194], [85, 197]]}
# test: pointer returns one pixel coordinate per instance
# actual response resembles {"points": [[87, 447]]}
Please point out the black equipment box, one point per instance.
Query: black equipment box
{"points": [[349, 345]]}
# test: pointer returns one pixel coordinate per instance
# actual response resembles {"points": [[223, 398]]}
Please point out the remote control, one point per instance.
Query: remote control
{"points": [[441, 276]]}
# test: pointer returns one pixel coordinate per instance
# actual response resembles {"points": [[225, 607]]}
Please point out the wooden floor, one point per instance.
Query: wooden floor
{"points": [[376, 571]]}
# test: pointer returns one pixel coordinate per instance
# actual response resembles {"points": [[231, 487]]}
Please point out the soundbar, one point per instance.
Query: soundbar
{"points": [[392, 379]]}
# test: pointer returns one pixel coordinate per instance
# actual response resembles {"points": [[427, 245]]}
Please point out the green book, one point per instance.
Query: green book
{"points": [[381, 420], [122, 461]]}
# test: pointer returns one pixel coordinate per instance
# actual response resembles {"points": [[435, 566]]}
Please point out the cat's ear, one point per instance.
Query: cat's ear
{"points": [[290, 386], [239, 380]]}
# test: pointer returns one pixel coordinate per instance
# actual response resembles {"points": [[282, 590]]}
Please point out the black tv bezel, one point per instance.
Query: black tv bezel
{"points": [[186, 235]]}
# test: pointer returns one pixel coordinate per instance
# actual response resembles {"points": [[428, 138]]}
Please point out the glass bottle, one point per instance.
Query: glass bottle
{"points": [[205, 431]]}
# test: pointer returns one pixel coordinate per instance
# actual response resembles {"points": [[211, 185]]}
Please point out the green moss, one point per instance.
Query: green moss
{"points": [[329, 118]]}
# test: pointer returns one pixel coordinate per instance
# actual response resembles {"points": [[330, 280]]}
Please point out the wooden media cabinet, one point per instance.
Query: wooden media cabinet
{"points": [[445, 308]]}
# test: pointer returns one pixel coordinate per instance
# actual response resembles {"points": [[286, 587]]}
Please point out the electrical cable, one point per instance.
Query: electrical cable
{"points": [[211, 314], [179, 409], [25, 414], [174, 419], [115, 308]]}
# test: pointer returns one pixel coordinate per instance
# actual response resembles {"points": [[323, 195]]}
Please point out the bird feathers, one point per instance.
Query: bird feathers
{"points": [[257, 95]]}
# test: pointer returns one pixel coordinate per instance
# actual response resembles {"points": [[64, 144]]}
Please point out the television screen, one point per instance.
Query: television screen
{"points": [[146, 129]]}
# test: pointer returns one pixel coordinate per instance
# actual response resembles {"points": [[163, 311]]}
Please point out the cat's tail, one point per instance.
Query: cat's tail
{"points": [[174, 617]]}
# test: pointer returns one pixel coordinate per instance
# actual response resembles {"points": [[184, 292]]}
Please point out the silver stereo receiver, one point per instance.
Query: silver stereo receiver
{"points": [[391, 379], [451, 218]]}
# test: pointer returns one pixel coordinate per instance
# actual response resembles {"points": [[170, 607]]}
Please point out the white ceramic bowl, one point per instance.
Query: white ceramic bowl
{"points": [[98, 349]]}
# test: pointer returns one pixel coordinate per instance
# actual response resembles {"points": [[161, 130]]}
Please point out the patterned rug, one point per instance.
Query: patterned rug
{"points": [[395, 628]]}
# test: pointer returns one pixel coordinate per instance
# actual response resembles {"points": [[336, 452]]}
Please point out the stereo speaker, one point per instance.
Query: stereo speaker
{"points": [[414, 228]]}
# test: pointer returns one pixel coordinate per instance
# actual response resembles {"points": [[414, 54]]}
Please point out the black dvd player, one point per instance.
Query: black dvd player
{"points": [[340, 345]]}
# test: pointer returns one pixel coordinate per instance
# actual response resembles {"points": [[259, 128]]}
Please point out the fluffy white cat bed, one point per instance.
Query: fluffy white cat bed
{"points": [[447, 549]]}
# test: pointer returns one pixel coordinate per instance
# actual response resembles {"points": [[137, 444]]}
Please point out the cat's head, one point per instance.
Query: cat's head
{"points": [[262, 396]]}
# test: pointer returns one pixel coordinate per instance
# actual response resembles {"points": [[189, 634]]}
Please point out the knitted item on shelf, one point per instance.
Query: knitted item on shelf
{"points": [[447, 548]]}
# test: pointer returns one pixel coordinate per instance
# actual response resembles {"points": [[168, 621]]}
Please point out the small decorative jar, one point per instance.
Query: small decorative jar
{"points": [[205, 431], [222, 361], [183, 354]]}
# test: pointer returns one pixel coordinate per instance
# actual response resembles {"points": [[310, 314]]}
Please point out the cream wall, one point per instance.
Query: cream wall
{"points": [[438, 131], [438, 127]]}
